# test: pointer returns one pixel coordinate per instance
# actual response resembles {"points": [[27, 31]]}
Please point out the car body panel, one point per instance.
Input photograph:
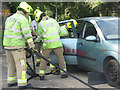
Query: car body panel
{"points": [[89, 55], [69, 51]]}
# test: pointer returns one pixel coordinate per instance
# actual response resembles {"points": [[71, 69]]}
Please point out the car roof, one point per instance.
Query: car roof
{"points": [[65, 21], [98, 18]]}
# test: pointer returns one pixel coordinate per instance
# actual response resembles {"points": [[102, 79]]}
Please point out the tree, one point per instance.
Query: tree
{"points": [[68, 10], [108, 8]]}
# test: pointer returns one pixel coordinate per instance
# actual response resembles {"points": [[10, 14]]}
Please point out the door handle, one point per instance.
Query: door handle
{"points": [[81, 43]]}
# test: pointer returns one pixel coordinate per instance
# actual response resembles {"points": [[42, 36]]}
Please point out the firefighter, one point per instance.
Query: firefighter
{"points": [[38, 43], [66, 30], [48, 31], [17, 32]]}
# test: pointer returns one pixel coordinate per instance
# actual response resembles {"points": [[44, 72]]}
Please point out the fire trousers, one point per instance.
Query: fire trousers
{"points": [[16, 62], [59, 53], [38, 46]]}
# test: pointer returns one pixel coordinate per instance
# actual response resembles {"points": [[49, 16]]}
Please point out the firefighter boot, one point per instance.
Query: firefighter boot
{"points": [[64, 75], [11, 85], [25, 87], [42, 77], [37, 64]]}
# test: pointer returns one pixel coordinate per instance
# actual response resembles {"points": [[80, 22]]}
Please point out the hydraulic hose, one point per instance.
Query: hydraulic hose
{"points": [[40, 55]]}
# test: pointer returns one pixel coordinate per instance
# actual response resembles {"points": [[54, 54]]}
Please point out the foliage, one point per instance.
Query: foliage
{"points": [[109, 8], [68, 10]]}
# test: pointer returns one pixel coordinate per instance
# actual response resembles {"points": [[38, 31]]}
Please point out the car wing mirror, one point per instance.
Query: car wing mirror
{"points": [[91, 38]]}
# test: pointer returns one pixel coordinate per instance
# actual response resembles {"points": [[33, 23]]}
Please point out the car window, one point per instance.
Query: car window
{"points": [[90, 30], [71, 34], [110, 28]]}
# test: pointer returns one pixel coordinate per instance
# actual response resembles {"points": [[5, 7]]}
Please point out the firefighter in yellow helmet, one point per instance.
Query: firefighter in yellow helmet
{"points": [[48, 31], [36, 11], [66, 30], [38, 43], [17, 32]]}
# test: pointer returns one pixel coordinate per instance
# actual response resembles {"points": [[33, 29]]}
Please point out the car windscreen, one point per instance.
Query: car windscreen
{"points": [[110, 28]]}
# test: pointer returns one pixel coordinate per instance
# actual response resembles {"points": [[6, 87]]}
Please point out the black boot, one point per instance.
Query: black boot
{"points": [[37, 64], [25, 87], [11, 85], [64, 75], [42, 77]]}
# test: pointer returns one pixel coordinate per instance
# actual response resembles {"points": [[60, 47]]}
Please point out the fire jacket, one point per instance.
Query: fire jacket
{"points": [[17, 31], [63, 32], [49, 29]]}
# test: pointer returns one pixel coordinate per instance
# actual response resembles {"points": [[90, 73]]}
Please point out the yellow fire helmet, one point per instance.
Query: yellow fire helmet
{"points": [[37, 16], [36, 11], [74, 22], [26, 7]]}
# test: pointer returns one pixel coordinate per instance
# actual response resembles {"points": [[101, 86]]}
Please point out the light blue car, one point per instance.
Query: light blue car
{"points": [[94, 47]]}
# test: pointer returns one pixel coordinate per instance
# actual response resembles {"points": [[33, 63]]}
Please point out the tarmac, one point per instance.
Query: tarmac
{"points": [[54, 82]]}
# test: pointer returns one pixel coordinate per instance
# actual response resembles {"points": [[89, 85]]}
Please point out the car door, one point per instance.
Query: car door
{"points": [[87, 52], [69, 46]]}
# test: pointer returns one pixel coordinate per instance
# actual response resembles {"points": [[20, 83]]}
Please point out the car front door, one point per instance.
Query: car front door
{"points": [[86, 50]]}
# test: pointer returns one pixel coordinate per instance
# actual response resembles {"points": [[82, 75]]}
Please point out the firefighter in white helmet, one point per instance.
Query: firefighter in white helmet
{"points": [[17, 32], [48, 31]]}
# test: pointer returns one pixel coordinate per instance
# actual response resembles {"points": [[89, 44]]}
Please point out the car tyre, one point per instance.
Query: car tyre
{"points": [[112, 72]]}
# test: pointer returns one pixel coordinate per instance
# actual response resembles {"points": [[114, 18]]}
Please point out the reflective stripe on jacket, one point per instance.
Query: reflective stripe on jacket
{"points": [[30, 21], [63, 32], [48, 29], [17, 30]]}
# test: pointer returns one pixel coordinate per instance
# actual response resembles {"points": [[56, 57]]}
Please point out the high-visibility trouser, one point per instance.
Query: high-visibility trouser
{"points": [[38, 46], [59, 53], [16, 61]]}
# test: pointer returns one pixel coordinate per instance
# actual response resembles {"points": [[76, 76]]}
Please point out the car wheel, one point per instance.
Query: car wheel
{"points": [[112, 73]]}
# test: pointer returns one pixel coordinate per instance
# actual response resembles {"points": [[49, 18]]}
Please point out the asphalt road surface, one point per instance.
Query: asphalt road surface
{"points": [[54, 81]]}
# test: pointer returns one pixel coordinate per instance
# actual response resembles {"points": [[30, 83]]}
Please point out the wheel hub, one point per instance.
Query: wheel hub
{"points": [[113, 73]]}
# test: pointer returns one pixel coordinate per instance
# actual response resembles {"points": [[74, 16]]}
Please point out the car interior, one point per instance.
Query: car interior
{"points": [[90, 31]]}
